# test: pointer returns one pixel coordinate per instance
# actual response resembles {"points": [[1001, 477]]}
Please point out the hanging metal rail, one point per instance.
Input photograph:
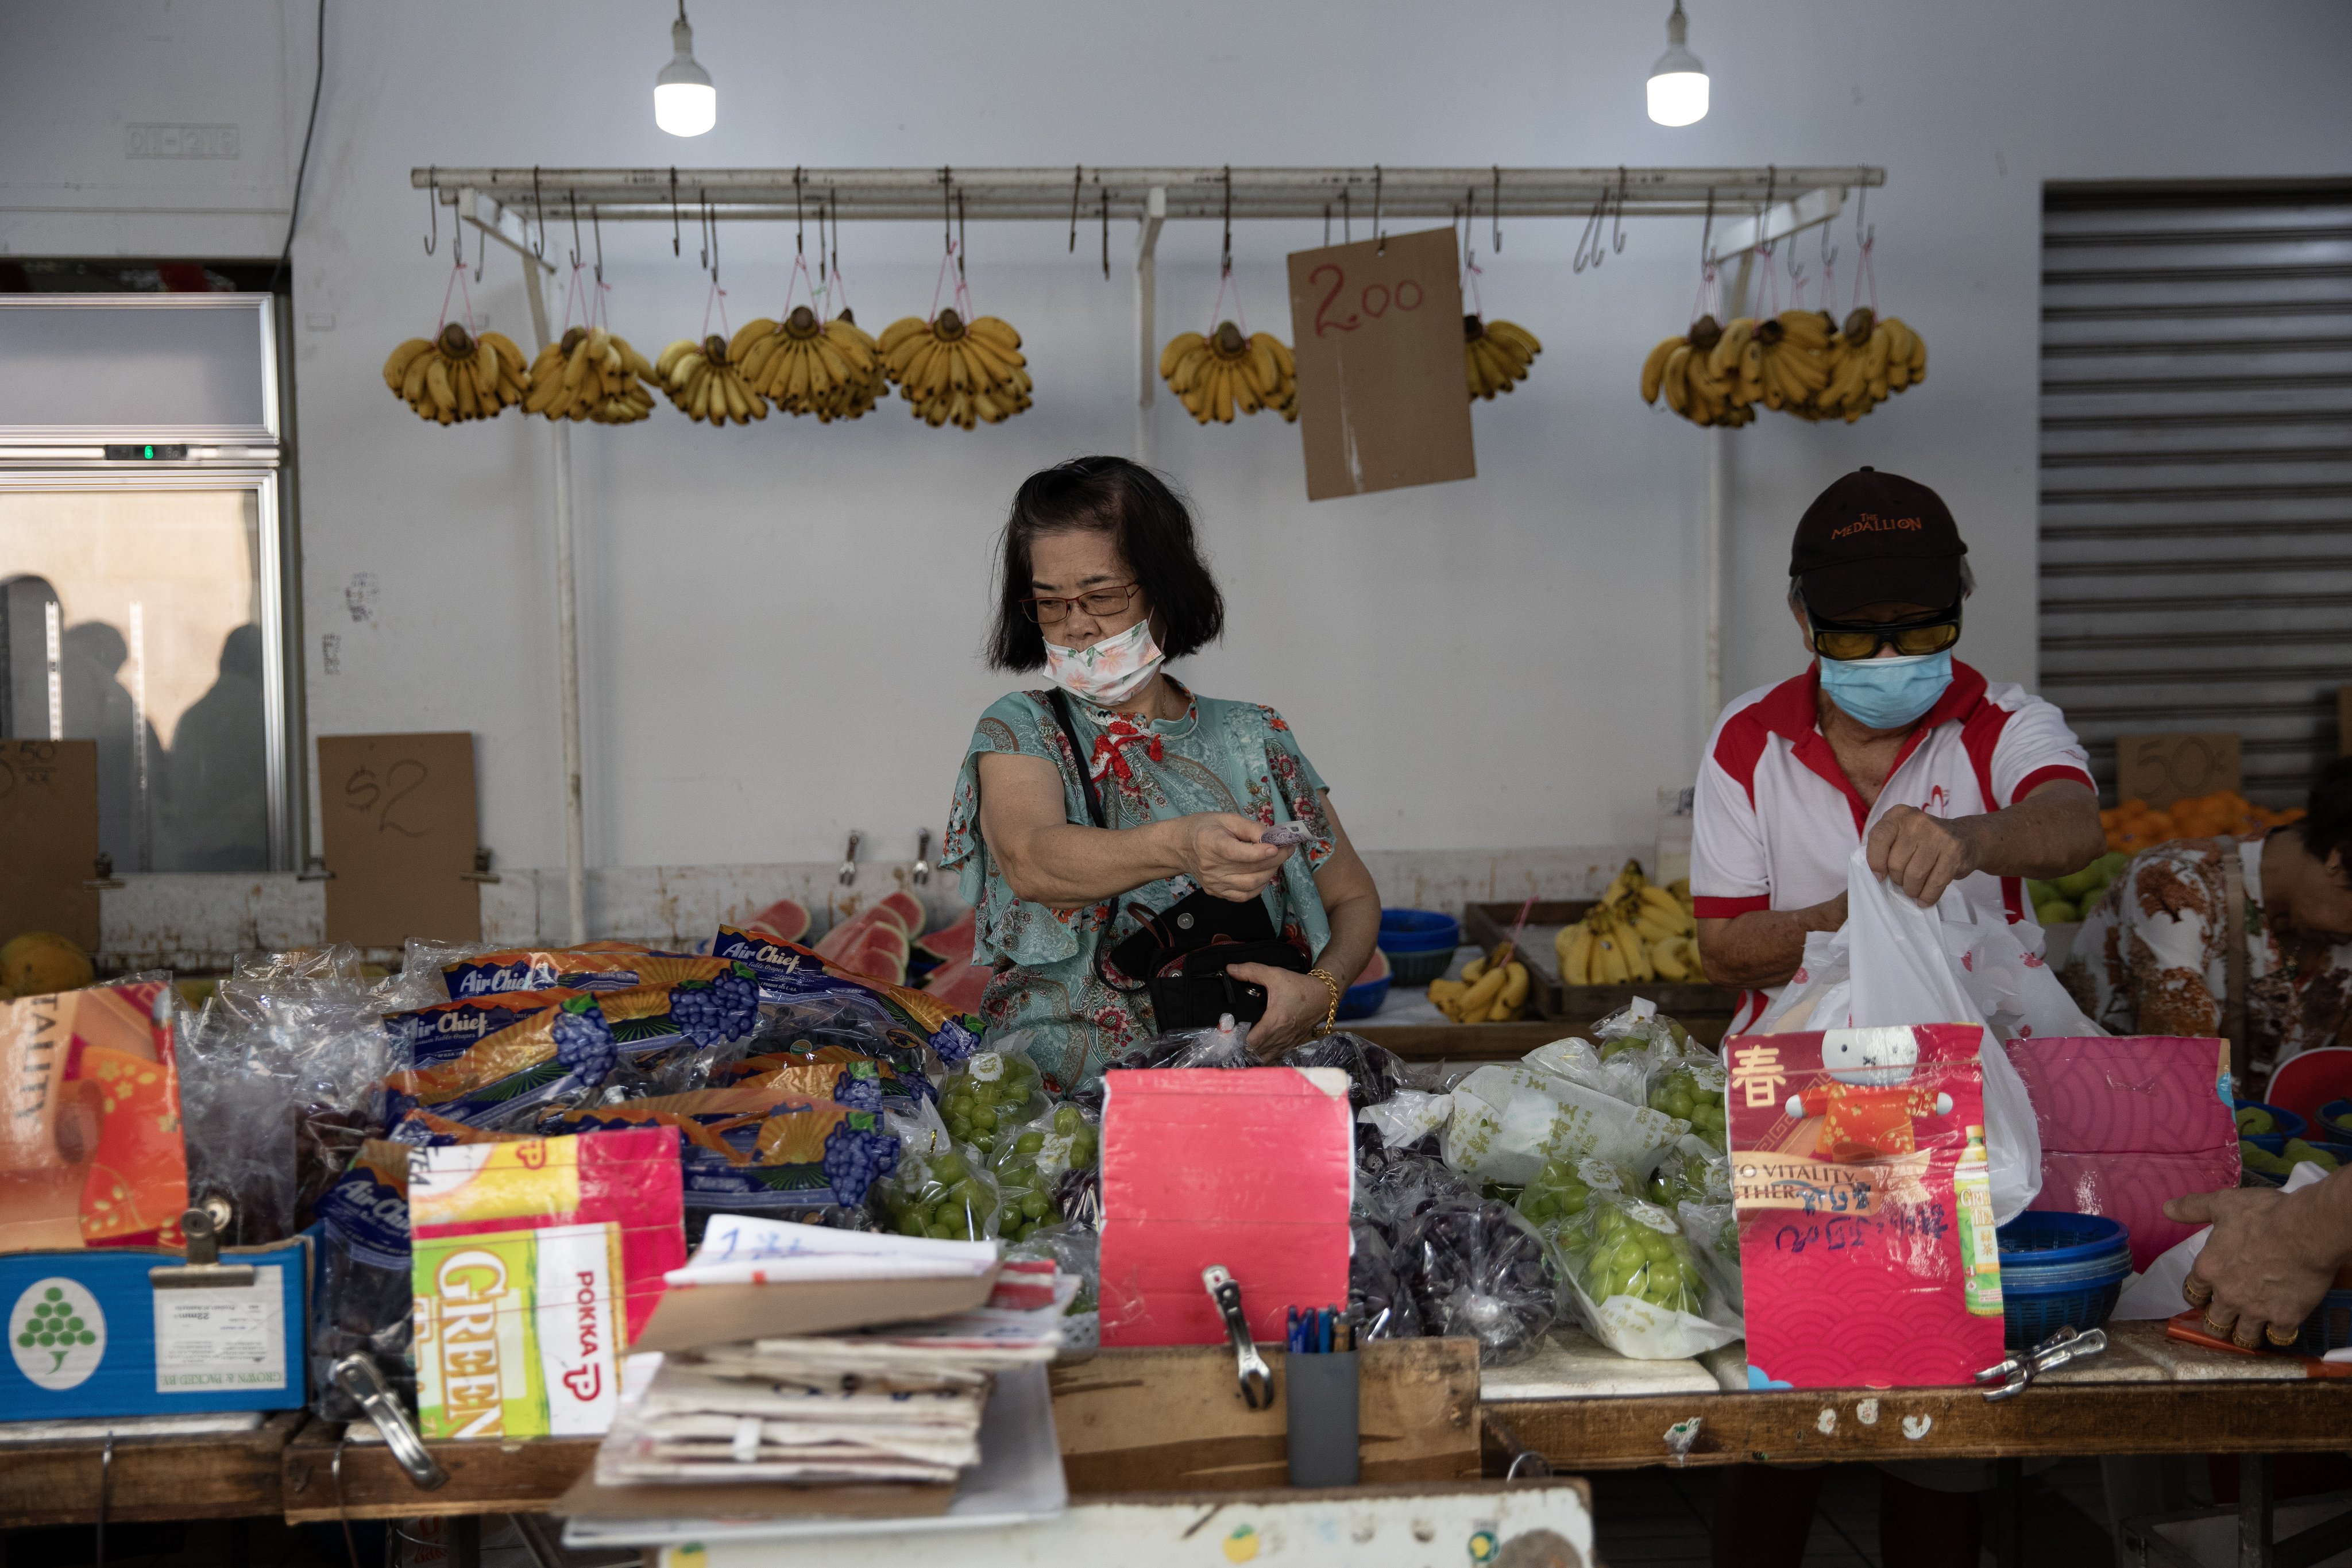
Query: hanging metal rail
{"points": [[1747, 208]]}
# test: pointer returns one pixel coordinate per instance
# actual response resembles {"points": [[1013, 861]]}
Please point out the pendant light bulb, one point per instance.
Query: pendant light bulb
{"points": [[1677, 82], [685, 103]]}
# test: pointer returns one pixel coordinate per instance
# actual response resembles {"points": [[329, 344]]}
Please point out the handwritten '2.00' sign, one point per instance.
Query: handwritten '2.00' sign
{"points": [[1382, 399]]}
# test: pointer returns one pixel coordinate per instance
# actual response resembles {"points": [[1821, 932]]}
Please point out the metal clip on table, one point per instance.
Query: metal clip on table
{"points": [[357, 1376], [1257, 1382], [2015, 1371]]}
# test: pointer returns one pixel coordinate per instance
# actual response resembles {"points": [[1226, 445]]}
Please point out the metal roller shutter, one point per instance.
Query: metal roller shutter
{"points": [[2196, 507]]}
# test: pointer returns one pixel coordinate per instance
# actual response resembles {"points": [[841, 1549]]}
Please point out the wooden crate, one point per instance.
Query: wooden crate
{"points": [[1705, 1010], [1171, 1418]]}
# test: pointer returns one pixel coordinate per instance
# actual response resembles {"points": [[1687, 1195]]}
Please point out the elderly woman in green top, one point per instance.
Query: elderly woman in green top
{"points": [[1101, 583]]}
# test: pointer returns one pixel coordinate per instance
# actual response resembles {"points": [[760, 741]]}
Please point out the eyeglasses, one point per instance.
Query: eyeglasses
{"points": [[1095, 601], [1848, 641]]}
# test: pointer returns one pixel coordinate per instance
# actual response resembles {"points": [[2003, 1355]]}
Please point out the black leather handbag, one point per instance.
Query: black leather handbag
{"points": [[1181, 955]]}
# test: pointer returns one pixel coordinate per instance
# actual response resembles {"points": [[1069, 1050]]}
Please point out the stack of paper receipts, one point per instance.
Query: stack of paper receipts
{"points": [[892, 1401]]}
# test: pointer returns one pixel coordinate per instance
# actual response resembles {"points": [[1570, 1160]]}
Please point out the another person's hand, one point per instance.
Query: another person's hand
{"points": [[2260, 1269], [1223, 858], [1294, 1004], [1923, 855]]}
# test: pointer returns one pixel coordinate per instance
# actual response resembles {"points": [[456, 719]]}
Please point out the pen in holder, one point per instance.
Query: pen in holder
{"points": [[1322, 1393]]}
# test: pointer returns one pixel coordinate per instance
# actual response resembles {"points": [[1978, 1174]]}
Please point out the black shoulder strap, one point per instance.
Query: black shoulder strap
{"points": [[1082, 756]]}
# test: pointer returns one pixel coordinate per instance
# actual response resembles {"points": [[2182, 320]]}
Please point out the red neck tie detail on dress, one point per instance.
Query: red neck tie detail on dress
{"points": [[1109, 757]]}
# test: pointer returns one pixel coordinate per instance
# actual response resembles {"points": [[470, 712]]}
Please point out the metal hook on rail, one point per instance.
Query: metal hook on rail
{"points": [[714, 238], [596, 227], [962, 244], [1078, 184], [1771, 189], [674, 232], [1225, 261], [800, 220], [1497, 204], [702, 219], [1588, 241], [1829, 254], [1617, 223], [1861, 205], [433, 205], [1707, 235], [1347, 215], [947, 209], [538, 210], [574, 196], [1106, 225], [1380, 240]]}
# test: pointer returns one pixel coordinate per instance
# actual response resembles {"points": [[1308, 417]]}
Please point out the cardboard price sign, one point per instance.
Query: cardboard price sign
{"points": [[49, 839], [1382, 402], [2161, 769], [400, 837]]}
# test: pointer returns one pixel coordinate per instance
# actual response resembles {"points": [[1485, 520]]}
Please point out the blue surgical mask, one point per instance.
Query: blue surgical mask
{"points": [[1887, 693]]}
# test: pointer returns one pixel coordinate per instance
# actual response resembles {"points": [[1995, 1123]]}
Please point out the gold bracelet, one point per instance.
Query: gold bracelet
{"points": [[1331, 981]]}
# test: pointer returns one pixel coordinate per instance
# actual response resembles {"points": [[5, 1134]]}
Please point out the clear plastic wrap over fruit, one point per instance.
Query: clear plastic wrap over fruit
{"points": [[1391, 1196], [1561, 1192], [992, 1093], [1637, 1284], [1032, 1161], [1378, 1301], [1075, 1250], [1375, 1074], [1688, 1086], [1475, 1269], [948, 1194]]}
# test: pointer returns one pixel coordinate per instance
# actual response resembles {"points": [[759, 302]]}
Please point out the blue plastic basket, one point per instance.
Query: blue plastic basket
{"points": [[1365, 998], [1419, 944], [2289, 1125], [2059, 1270], [2329, 1114]]}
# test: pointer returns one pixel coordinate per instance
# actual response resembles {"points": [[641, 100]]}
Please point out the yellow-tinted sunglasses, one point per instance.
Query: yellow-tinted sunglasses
{"points": [[1850, 641]]}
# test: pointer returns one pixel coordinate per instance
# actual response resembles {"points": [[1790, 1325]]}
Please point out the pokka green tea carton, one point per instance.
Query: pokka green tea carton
{"points": [[534, 1262]]}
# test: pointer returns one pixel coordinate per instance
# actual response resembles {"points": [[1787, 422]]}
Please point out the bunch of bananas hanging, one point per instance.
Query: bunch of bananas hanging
{"points": [[805, 366], [455, 375], [1709, 375], [1497, 354], [589, 373], [1797, 362], [1492, 990], [956, 372], [1874, 358], [1636, 932], [1226, 374], [704, 384]]}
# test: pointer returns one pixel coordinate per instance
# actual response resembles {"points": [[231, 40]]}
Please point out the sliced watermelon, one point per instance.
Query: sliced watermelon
{"points": [[952, 943], [959, 985], [910, 909], [881, 952], [1377, 969], [787, 919], [849, 931]]}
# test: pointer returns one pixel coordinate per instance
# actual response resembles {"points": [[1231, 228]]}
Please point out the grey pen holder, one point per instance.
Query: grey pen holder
{"points": [[1320, 1391]]}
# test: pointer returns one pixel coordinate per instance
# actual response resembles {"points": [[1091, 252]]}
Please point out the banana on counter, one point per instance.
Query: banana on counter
{"points": [[1636, 932], [1492, 990]]}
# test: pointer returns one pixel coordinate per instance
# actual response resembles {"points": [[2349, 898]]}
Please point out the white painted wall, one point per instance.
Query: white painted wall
{"points": [[781, 623]]}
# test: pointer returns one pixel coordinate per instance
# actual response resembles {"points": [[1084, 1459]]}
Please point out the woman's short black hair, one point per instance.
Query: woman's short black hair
{"points": [[2326, 825], [1147, 521]]}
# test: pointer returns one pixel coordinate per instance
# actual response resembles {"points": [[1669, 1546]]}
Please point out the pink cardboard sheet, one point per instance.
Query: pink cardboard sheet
{"points": [[2129, 1121], [1244, 1167], [1847, 1180]]}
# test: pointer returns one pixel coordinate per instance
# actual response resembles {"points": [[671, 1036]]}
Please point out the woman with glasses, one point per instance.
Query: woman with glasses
{"points": [[1954, 784], [1111, 827]]}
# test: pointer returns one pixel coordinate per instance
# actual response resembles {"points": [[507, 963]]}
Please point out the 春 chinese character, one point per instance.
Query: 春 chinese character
{"points": [[1758, 1073]]}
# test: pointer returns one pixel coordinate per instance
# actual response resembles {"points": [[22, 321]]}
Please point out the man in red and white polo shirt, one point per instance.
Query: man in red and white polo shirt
{"points": [[1951, 781]]}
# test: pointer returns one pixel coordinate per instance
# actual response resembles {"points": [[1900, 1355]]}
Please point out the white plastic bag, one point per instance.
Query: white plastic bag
{"points": [[1407, 1117], [1507, 1122], [1902, 970]]}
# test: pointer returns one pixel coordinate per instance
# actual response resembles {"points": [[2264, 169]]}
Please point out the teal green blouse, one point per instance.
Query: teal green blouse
{"points": [[1046, 999]]}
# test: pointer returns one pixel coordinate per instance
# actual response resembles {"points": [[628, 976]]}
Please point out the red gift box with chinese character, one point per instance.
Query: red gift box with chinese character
{"points": [[1859, 1174]]}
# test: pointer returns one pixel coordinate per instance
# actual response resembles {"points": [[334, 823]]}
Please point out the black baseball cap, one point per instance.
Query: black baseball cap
{"points": [[1874, 539]]}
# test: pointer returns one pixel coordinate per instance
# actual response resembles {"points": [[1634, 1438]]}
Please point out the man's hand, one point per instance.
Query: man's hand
{"points": [[1223, 858], [1294, 1004], [2259, 1269], [1923, 855]]}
